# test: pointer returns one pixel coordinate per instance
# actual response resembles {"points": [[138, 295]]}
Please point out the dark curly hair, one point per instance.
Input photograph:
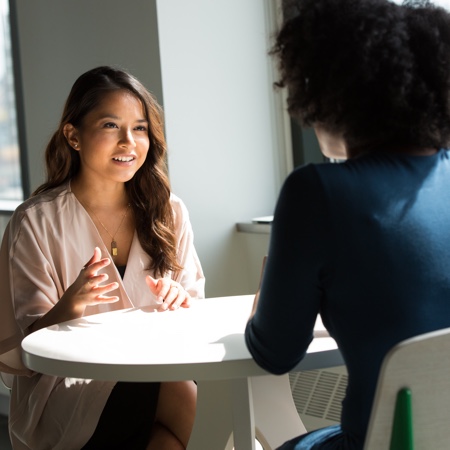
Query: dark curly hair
{"points": [[149, 189], [370, 70]]}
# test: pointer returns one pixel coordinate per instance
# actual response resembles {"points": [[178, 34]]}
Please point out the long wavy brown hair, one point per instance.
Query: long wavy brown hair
{"points": [[372, 71], [149, 189]]}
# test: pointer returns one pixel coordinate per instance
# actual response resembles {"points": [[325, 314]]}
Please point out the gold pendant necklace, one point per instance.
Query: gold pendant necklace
{"points": [[114, 249]]}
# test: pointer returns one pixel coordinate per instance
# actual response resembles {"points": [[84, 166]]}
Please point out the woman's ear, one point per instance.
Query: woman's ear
{"points": [[71, 134]]}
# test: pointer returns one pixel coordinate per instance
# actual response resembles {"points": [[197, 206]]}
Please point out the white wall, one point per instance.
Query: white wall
{"points": [[224, 160], [207, 63]]}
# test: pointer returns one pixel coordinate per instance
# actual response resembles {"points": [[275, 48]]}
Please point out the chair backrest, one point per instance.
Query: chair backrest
{"points": [[419, 369], [6, 379]]}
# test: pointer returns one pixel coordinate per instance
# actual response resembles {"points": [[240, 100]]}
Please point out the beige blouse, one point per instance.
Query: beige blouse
{"points": [[46, 243]]}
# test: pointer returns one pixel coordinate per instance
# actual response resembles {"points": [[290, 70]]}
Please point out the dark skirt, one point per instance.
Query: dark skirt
{"points": [[126, 420]]}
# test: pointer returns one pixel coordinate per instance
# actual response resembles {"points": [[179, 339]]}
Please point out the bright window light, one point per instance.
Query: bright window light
{"points": [[10, 170]]}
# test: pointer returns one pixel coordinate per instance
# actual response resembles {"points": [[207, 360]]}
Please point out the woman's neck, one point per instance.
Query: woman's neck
{"points": [[100, 196]]}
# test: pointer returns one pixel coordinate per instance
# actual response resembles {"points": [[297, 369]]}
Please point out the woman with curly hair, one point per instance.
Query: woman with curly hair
{"points": [[104, 232], [363, 242]]}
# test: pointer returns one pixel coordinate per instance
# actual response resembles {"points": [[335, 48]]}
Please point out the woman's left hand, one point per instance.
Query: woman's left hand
{"points": [[169, 293]]}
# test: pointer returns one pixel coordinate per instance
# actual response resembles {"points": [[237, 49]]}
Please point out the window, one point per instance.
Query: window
{"points": [[11, 179]]}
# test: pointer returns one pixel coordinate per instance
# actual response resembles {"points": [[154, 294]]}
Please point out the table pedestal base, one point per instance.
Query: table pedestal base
{"points": [[231, 413]]}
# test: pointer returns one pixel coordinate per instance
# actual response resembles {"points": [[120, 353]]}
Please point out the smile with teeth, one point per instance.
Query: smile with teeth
{"points": [[124, 158]]}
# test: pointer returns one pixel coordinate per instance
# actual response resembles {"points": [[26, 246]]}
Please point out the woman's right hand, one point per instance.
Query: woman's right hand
{"points": [[86, 290]]}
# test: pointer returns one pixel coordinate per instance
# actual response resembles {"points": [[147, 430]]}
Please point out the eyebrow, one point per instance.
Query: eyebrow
{"points": [[112, 116]]}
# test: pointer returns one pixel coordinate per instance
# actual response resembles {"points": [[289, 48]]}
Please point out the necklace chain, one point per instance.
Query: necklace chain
{"points": [[114, 249]]}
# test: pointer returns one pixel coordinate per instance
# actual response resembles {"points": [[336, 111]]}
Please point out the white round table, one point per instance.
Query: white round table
{"points": [[204, 343]]}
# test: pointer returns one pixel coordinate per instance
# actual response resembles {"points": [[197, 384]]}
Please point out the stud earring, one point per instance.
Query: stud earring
{"points": [[75, 145]]}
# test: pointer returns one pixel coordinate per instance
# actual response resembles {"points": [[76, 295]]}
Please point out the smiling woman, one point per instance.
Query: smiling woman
{"points": [[112, 142], [104, 232]]}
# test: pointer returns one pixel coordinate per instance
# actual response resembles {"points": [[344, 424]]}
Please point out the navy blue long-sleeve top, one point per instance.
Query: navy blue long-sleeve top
{"points": [[365, 243]]}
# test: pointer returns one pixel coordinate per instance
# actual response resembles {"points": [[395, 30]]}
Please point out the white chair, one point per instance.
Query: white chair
{"points": [[5, 392], [411, 409], [6, 380]]}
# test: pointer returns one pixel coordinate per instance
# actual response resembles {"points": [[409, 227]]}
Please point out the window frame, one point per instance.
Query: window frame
{"points": [[8, 206]]}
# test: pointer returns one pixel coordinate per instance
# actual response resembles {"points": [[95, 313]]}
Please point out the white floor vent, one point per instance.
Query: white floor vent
{"points": [[318, 394]]}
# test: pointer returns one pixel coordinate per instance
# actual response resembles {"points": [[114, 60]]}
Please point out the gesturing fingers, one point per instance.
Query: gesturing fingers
{"points": [[87, 289], [176, 297], [91, 288], [91, 269], [169, 293], [94, 258], [100, 291]]}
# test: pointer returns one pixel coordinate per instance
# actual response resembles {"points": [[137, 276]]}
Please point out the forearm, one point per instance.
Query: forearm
{"points": [[61, 312], [85, 291]]}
